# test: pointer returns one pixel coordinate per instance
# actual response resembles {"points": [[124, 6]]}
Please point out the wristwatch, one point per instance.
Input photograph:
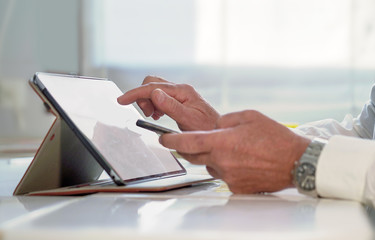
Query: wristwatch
{"points": [[305, 168]]}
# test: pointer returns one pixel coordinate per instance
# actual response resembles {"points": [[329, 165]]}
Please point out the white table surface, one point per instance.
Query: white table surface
{"points": [[207, 211]]}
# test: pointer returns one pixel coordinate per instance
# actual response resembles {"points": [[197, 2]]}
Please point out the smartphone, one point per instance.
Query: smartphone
{"points": [[154, 127]]}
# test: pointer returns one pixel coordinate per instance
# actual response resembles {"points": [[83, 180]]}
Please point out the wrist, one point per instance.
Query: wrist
{"points": [[299, 147], [304, 170]]}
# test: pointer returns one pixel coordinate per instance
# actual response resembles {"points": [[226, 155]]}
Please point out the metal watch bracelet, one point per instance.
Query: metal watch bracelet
{"points": [[305, 168]]}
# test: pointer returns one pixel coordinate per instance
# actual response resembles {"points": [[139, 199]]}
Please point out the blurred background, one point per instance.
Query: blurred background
{"points": [[295, 60]]}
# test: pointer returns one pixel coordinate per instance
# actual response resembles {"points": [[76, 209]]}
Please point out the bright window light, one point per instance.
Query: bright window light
{"points": [[295, 60]]}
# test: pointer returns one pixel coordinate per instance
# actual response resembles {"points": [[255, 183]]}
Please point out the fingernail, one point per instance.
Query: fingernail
{"points": [[160, 141], [159, 95]]}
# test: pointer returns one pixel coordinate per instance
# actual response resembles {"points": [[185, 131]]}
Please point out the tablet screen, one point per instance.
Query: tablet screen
{"points": [[91, 105]]}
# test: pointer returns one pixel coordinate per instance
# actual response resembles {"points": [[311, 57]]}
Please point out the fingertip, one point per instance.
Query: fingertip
{"points": [[166, 141], [158, 113], [161, 139], [119, 99]]}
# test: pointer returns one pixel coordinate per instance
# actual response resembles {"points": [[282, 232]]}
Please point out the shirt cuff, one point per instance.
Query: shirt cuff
{"points": [[342, 167]]}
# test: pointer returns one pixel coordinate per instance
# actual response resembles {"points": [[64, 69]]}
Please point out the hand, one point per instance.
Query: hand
{"points": [[181, 102], [249, 151]]}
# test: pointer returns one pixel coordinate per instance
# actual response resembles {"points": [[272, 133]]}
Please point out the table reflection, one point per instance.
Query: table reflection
{"points": [[237, 213]]}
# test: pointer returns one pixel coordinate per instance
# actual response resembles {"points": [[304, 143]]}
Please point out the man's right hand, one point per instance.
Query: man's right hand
{"points": [[251, 152], [181, 102]]}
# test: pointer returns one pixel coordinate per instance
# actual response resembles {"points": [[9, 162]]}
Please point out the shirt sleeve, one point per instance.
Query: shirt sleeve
{"points": [[361, 126], [329, 127], [346, 167]]}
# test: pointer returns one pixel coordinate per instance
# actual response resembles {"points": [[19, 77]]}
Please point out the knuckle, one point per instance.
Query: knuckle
{"points": [[152, 84], [186, 87], [160, 79], [251, 114], [148, 79], [219, 122]]}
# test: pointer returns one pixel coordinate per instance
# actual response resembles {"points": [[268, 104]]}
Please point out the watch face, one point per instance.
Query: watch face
{"points": [[305, 176]]}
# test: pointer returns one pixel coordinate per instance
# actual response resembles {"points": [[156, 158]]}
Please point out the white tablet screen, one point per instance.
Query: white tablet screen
{"points": [[92, 106]]}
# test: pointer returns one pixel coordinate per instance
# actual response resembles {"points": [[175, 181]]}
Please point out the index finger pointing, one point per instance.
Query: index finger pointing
{"points": [[142, 92], [189, 142]]}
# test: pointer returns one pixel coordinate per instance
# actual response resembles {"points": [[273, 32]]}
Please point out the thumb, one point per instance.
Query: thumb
{"points": [[168, 105]]}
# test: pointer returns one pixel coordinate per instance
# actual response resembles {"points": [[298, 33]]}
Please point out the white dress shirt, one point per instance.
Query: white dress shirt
{"points": [[346, 166]]}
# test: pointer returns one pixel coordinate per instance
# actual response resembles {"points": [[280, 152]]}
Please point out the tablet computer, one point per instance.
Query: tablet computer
{"points": [[105, 130]]}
